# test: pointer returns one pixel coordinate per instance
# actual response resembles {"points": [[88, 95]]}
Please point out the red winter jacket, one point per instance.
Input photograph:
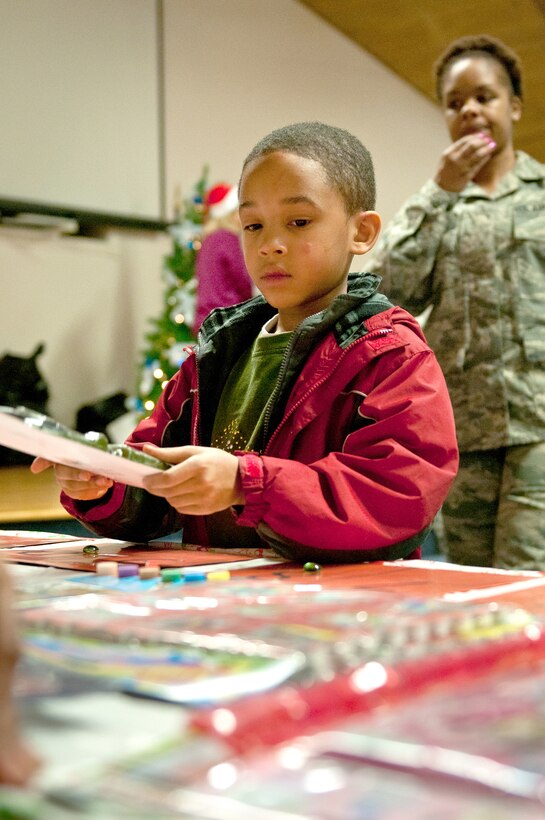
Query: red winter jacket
{"points": [[359, 450]]}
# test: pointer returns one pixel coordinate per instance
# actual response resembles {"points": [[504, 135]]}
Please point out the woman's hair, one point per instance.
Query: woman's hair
{"points": [[347, 164], [480, 45]]}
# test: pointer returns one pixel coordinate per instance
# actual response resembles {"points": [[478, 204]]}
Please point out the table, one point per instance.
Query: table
{"points": [[93, 729]]}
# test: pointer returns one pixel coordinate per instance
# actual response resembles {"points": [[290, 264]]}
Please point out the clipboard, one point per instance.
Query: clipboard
{"points": [[39, 435]]}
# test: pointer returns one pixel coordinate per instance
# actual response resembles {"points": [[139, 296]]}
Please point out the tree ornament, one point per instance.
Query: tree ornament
{"points": [[171, 332]]}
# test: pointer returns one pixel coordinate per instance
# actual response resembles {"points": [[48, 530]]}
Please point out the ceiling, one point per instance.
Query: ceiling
{"points": [[409, 35]]}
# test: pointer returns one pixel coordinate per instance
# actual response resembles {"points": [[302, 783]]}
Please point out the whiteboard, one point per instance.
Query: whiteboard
{"points": [[81, 102]]}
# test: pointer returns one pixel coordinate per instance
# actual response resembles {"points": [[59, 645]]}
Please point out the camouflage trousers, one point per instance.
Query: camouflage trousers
{"points": [[494, 515]]}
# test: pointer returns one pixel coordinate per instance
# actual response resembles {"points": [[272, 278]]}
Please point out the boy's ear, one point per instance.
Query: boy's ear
{"points": [[367, 225]]}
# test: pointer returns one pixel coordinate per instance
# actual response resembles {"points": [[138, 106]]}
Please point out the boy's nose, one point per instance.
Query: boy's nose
{"points": [[272, 245]]}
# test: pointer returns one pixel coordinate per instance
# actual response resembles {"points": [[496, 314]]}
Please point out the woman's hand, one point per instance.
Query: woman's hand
{"points": [[463, 160]]}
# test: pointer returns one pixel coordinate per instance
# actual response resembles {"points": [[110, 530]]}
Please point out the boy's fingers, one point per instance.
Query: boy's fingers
{"points": [[162, 482], [40, 464], [172, 455]]}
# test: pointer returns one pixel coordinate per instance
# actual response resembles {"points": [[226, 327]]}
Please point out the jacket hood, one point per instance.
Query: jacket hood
{"points": [[256, 312]]}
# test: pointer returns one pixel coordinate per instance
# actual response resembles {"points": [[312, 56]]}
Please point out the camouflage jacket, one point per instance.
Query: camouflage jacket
{"points": [[478, 260]]}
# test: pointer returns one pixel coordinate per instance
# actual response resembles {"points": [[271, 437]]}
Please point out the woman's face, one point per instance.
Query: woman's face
{"points": [[477, 98]]}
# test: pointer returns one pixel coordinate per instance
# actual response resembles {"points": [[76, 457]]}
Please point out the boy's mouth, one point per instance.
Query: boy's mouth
{"points": [[275, 274]]}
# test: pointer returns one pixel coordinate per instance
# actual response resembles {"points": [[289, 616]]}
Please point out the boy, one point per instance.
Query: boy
{"points": [[313, 419]]}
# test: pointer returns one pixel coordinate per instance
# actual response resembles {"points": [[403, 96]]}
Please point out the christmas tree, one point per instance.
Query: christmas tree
{"points": [[171, 331]]}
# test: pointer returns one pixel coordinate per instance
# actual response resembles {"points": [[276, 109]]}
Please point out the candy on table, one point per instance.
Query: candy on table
{"points": [[171, 574], [127, 570], [194, 577], [310, 566], [218, 575], [107, 568], [152, 570], [149, 571]]}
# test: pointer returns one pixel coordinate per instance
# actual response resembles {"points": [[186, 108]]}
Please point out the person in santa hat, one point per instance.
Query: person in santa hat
{"points": [[222, 278]]}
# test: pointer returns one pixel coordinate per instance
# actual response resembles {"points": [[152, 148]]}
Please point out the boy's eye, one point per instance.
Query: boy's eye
{"points": [[253, 226], [300, 223]]}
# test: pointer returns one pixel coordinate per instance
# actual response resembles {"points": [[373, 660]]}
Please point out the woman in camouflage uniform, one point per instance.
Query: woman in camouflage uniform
{"points": [[470, 246]]}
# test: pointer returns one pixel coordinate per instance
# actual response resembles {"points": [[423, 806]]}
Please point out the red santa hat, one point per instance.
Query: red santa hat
{"points": [[221, 200]]}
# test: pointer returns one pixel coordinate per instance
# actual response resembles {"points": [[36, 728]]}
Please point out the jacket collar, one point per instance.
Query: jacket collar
{"points": [[526, 169], [227, 332], [255, 312]]}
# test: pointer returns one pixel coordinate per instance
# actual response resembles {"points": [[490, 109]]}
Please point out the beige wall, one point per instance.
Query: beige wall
{"points": [[89, 301], [235, 69]]}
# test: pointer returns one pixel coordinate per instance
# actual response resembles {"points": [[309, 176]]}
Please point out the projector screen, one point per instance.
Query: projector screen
{"points": [[81, 102]]}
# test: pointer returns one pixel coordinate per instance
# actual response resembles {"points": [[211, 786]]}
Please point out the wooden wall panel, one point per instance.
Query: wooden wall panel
{"points": [[409, 36]]}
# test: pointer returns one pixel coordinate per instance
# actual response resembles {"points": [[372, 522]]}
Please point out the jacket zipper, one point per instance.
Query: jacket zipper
{"points": [[195, 437], [376, 334], [309, 392]]}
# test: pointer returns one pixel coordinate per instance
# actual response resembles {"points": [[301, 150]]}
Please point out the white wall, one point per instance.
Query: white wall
{"points": [[89, 300], [235, 69], [80, 105]]}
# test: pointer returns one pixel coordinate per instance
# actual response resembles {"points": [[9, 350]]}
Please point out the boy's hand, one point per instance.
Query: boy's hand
{"points": [[462, 160], [202, 481], [81, 485], [17, 762]]}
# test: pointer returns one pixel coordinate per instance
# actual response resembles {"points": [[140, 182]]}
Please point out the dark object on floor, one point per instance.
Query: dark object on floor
{"points": [[98, 416], [21, 383]]}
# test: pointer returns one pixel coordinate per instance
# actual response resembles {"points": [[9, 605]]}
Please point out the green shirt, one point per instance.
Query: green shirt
{"points": [[243, 405], [240, 419]]}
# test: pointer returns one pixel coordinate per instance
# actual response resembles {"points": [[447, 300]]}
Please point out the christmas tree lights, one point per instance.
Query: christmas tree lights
{"points": [[170, 333]]}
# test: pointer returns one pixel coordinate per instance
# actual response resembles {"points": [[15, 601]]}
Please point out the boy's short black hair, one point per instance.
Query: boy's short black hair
{"points": [[347, 163], [484, 45]]}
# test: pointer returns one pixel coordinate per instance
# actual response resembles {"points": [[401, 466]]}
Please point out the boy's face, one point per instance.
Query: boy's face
{"points": [[297, 238]]}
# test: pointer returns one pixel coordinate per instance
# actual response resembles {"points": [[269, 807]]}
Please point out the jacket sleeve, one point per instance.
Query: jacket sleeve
{"points": [[408, 248], [130, 513], [377, 498]]}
